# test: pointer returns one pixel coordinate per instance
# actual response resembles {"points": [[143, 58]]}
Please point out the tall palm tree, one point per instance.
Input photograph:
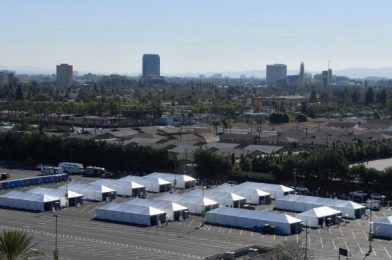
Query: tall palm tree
{"points": [[17, 245]]}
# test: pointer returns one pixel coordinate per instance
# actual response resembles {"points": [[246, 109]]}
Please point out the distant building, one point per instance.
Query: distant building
{"points": [[6, 76], [302, 76], [151, 65], [64, 75], [326, 76], [275, 73]]}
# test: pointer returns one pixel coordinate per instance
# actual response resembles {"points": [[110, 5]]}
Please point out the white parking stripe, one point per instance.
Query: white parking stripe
{"points": [[352, 231], [333, 242], [321, 241], [360, 248], [386, 251]]}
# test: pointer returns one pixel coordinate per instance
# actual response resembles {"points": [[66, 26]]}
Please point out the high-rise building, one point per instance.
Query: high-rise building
{"points": [[327, 78], [302, 76], [64, 75], [151, 65], [275, 73], [6, 76]]}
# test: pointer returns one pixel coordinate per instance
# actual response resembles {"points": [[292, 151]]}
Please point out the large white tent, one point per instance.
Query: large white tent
{"points": [[249, 219], [152, 184], [195, 204], [383, 227], [74, 198], [300, 203], [182, 181], [173, 210], [28, 201], [224, 198], [276, 190], [319, 217], [123, 188], [253, 195], [93, 192], [131, 213]]}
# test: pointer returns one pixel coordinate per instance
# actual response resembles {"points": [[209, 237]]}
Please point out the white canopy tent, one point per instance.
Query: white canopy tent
{"points": [[250, 219], [195, 204], [152, 184], [253, 195], [224, 198], [173, 210], [123, 188], [182, 181], [28, 201], [73, 197], [300, 203], [383, 227], [276, 190], [131, 213], [319, 217], [95, 192]]}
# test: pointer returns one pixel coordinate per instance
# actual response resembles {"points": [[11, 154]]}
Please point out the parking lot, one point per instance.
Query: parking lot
{"points": [[80, 236]]}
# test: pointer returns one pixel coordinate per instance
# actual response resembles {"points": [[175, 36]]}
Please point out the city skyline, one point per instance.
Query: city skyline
{"points": [[202, 37]]}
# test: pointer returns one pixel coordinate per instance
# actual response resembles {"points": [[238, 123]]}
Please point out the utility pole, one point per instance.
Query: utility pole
{"points": [[306, 243], [56, 251], [370, 232]]}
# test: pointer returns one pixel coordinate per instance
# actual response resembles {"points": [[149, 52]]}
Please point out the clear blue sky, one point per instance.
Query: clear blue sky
{"points": [[196, 36]]}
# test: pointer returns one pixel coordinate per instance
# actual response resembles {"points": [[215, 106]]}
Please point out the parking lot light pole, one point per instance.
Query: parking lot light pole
{"points": [[55, 252], [306, 242], [370, 232]]}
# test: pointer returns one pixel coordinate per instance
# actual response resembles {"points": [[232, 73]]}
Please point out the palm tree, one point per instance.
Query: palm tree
{"points": [[17, 245]]}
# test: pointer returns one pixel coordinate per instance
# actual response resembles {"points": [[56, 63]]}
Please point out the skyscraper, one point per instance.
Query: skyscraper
{"points": [[151, 65], [275, 73], [6, 76], [302, 76], [327, 78], [64, 75]]}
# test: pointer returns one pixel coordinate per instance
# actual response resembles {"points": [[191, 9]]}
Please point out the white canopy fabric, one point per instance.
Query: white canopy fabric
{"points": [[195, 204], [182, 181], [253, 195], [383, 227], [276, 190], [56, 193], [90, 191], [27, 201], [316, 217], [224, 198], [131, 213], [249, 219], [169, 207], [300, 203], [123, 188], [152, 184]]}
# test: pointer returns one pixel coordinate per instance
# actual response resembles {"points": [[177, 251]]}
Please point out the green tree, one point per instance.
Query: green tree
{"points": [[301, 118], [382, 97], [369, 96], [313, 97], [17, 245], [278, 118], [18, 93]]}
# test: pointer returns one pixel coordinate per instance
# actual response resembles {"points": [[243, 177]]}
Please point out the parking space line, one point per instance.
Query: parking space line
{"points": [[220, 228], [274, 236], [190, 223], [321, 241], [374, 252], [297, 238], [359, 223], [285, 239], [251, 234], [229, 230], [91, 210], [386, 251], [360, 248], [364, 234], [345, 242], [352, 231], [341, 231], [333, 242], [330, 232], [241, 232]]}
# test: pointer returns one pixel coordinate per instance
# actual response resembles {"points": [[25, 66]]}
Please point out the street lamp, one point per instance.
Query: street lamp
{"points": [[370, 232], [306, 242], [56, 251]]}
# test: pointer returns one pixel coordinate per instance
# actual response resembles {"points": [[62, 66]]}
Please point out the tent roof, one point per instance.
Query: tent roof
{"points": [[144, 180], [89, 187], [220, 194], [320, 212], [55, 192], [188, 198], [255, 214], [171, 176], [118, 183], [266, 186], [386, 220], [242, 190], [157, 203], [29, 196], [132, 208]]}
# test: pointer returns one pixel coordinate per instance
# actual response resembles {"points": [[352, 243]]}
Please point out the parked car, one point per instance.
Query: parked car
{"points": [[377, 196], [359, 196], [247, 206], [107, 175], [302, 190], [5, 175]]}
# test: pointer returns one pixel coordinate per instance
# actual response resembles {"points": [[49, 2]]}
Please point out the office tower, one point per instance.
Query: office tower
{"points": [[327, 78], [302, 76], [6, 76], [151, 65], [64, 75], [275, 73]]}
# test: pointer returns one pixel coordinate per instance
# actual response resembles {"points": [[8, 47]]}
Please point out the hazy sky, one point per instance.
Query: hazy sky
{"points": [[196, 36]]}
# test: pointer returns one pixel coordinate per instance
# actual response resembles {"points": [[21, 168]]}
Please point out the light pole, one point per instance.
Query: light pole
{"points": [[306, 242], [56, 251], [370, 232]]}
